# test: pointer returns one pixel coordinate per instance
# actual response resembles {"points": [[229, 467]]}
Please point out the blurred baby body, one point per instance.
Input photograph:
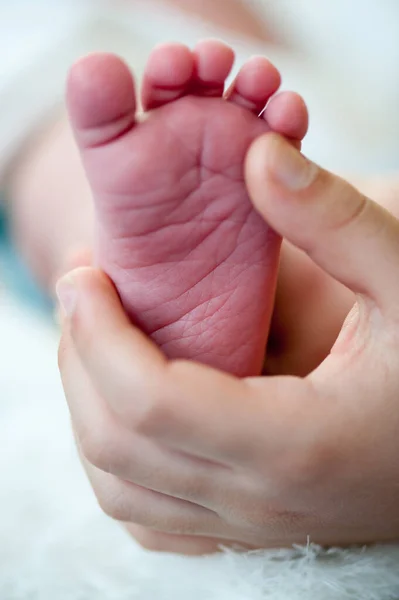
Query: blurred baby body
{"points": [[339, 55]]}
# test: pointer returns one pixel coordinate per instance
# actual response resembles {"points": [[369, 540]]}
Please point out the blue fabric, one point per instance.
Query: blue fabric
{"points": [[13, 272]]}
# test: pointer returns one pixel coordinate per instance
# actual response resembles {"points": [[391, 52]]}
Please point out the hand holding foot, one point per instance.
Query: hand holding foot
{"points": [[186, 449]]}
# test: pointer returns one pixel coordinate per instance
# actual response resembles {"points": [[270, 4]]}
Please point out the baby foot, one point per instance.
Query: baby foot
{"points": [[194, 264]]}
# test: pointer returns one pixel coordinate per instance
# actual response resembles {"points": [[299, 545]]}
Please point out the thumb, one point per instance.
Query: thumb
{"points": [[346, 234]]}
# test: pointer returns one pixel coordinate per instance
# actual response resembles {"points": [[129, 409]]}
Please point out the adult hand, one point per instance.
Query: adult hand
{"points": [[184, 449], [303, 332]]}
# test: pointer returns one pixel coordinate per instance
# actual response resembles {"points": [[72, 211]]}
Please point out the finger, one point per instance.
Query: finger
{"points": [[180, 544], [101, 99], [167, 76], [108, 445], [123, 364], [129, 503], [213, 62], [102, 439], [287, 114], [255, 83], [345, 233]]}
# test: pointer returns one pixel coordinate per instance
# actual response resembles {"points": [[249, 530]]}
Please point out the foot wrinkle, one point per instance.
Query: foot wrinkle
{"points": [[227, 173], [206, 237], [126, 198], [250, 105], [207, 90], [226, 296], [207, 274], [178, 136], [189, 331], [109, 140], [230, 292], [233, 277], [215, 222], [186, 255], [187, 323], [207, 347], [245, 227], [170, 87], [153, 231], [196, 306], [140, 208], [123, 201]]}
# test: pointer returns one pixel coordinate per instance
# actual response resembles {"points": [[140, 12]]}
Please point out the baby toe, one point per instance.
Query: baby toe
{"points": [[213, 63], [287, 114], [167, 76], [256, 82], [101, 99]]}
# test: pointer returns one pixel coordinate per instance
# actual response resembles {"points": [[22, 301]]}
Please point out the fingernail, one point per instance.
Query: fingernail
{"points": [[292, 169], [66, 294]]}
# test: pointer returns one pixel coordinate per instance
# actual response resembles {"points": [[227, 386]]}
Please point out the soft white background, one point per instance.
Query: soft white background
{"points": [[54, 541]]}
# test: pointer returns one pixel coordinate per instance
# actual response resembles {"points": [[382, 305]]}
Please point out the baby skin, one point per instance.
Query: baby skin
{"points": [[194, 264]]}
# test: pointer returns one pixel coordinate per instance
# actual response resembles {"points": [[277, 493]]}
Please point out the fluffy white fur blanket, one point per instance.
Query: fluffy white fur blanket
{"points": [[55, 544]]}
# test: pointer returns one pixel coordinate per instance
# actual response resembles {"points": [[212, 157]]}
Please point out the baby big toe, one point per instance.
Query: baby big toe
{"points": [[101, 99]]}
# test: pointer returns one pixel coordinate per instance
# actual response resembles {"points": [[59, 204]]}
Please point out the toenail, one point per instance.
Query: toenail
{"points": [[292, 169]]}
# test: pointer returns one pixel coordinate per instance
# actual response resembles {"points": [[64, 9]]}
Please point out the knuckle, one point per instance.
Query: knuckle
{"points": [[178, 525], [199, 489], [351, 212], [114, 502], [157, 413], [149, 540], [127, 503], [145, 517], [163, 395], [131, 504]]}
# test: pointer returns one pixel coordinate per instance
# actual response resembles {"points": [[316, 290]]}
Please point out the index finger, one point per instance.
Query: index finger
{"points": [[120, 360]]}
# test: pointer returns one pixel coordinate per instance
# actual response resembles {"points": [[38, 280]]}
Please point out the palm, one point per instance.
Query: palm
{"points": [[309, 312]]}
